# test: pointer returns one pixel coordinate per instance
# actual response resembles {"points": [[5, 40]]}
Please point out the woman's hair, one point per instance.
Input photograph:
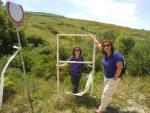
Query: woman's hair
{"points": [[76, 48], [110, 43]]}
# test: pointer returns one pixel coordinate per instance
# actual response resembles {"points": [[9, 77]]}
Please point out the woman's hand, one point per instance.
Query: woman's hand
{"points": [[57, 65], [91, 37], [62, 65], [118, 70], [115, 78]]}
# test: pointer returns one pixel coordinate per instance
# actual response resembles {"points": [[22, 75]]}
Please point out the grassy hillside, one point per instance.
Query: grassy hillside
{"points": [[132, 95], [47, 25]]}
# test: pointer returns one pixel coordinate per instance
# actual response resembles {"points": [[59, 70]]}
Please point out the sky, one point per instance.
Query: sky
{"points": [[128, 13]]}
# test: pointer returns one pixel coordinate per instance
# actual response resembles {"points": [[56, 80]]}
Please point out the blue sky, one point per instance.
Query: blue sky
{"points": [[129, 13]]}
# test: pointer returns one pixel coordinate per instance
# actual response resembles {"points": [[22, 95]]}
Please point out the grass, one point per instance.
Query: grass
{"points": [[49, 25], [133, 92]]}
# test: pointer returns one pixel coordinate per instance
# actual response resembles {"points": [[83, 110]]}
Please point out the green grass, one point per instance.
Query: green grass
{"points": [[132, 92], [47, 26]]}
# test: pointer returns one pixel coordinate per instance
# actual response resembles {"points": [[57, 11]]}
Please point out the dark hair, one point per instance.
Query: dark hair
{"points": [[76, 48], [110, 42]]}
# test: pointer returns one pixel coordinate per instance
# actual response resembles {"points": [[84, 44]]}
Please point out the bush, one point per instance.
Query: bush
{"points": [[37, 95], [53, 30], [3, 61], [50, 70], [46, 51], [139, 60], [16, 63], [36, 40], [107, 34], [46, 70], [8, 36], [9, 88], [63, 53], [38, 70], [125, 44], [98, 62]]}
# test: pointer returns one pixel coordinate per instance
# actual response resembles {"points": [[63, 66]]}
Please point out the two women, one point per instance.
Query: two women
{"points": [[113, 65]]}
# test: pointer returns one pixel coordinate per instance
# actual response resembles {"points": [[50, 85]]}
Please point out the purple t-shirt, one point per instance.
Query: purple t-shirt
{"points": [[110, 64], [76, 68]]}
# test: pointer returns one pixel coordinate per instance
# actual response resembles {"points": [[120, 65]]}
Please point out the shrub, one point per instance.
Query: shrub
{"points": [[50, 69], [3, 61], [45, 50], [54, 30], [8, 36], [125, 44], [36, 40], [139, 60], [18, 64], [9, 88], [63, 53], [98, 62], [107, 34], [37, 95], [38, 70]]}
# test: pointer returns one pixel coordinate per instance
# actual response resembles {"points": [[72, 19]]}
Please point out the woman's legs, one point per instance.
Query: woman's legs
{"points": [[75, 79], [110, 87]]}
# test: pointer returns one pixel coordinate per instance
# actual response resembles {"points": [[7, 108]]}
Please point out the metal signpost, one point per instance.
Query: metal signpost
{"points": [[16, 15]]}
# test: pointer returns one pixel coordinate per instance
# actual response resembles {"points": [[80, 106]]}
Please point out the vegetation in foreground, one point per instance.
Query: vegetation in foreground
{"points": [[39, 41]]}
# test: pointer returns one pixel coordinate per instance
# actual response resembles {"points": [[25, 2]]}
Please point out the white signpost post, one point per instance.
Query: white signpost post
{"points": [[16, 15]]}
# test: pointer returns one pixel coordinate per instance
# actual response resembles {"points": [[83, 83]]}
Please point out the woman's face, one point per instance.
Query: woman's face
{"points": [[106, 47], [77, 52]]}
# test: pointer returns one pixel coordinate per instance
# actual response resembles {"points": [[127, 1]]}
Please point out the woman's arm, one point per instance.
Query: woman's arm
{"points": [[62, 65], [118, 70], [93, 38]]}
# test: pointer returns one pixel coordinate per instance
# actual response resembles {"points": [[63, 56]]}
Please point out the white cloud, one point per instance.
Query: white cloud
{"points": [[110, 11]]}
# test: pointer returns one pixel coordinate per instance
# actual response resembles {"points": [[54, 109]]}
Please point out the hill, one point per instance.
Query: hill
{"points": [[40, 30], [44, 22]]}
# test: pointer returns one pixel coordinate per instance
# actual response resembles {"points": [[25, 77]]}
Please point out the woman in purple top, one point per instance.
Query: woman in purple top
{"points": [[75, 68], [113, 64]]}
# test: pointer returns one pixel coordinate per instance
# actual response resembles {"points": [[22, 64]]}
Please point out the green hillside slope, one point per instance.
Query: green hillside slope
{"points": [[39, 50], [48, 25]]}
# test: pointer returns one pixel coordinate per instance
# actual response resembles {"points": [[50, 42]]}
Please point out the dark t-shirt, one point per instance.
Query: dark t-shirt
{"points": [[110, 64], [75, 67]]}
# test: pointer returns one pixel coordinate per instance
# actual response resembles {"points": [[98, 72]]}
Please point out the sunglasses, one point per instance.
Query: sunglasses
{"points": [[76, 50], [106, 45]]}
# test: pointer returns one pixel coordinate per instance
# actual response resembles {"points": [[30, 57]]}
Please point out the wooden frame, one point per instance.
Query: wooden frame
{"points": [[84, 62]]}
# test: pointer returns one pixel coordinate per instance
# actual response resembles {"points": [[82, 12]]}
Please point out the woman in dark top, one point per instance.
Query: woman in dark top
{"points": [[113, 64], [75, 68]]}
